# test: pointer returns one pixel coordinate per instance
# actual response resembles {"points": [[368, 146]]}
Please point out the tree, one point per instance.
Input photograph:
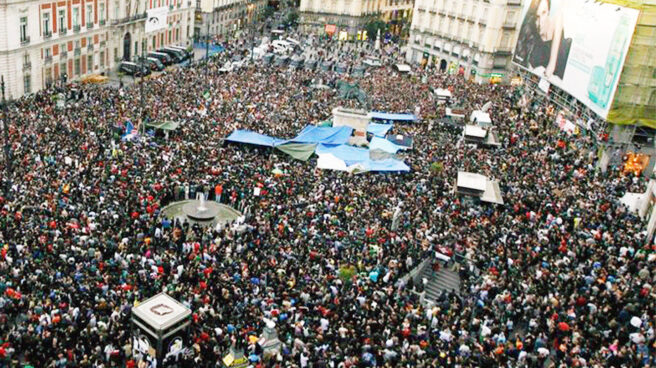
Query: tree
{"points": [[373, 27], [292, 18]]}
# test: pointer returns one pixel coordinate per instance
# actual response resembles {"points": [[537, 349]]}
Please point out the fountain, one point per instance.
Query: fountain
{"points": [[200, 211]]}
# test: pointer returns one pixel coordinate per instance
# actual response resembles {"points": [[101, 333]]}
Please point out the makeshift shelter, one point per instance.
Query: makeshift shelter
{"points": [[248, 137], [325, 135], [403, 141]]}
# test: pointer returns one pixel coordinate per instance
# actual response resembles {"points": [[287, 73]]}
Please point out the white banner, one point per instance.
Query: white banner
{"points": [[156, 19], [578, 46]]}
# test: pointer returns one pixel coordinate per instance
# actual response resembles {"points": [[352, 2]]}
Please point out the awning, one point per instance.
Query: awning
{"points": [[471, 182], [402, 68], [492, 192], [344, 152], [475, 131], [480, 117]]}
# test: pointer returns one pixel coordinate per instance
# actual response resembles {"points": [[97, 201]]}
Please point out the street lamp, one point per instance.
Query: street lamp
{"points": [[7, 148]]}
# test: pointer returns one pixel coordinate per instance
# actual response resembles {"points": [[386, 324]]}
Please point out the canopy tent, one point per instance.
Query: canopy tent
{"points": [[325, 135], [379, 130], [383, 145], [379, 115], [248, 137]]}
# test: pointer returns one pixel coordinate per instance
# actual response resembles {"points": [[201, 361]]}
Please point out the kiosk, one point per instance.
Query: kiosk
{"points": [[160, 329]]}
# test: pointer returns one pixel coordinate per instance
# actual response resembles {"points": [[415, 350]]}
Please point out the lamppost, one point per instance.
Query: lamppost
{"points": [[7, 148]]}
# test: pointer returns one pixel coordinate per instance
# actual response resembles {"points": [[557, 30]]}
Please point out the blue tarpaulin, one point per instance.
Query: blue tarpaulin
{"points": [[245, 136], [383, 145], [392, 117], [386, 165], [325, 135], [344, 152], [379, 130]]}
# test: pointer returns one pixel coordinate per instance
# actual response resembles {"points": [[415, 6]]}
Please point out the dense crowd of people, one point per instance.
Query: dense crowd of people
{"points": [[557, 276]]}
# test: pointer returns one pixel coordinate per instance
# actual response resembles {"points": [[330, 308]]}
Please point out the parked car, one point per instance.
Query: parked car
{"points": [[154, 64], [162, 57], [188, 54], [133, 69], [175, 55]]}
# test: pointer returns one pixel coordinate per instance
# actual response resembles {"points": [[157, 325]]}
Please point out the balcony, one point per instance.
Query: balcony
{"points": [[76, 28], [130, 19], [47, 35], [171, 7], [102, 22], [62, 31], [514, 2], [90, 47], [90, 25], [25, 41], [27, 66], [77, 51], [47, 59], [63, 54]]}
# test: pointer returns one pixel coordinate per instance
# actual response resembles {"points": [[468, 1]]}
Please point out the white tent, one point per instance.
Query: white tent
{"points": [[442, 94], [480, 186], [474, 131]]}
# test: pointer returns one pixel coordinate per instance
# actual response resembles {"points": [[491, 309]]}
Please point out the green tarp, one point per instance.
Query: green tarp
{"points": [[169, 125], [299, 151]]}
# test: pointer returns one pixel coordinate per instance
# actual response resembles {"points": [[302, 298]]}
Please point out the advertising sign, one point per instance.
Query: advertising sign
{"points": [[156, 19], [576, 45]]}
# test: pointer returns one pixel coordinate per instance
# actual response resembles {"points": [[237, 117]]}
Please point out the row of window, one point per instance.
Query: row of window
{"points": [[46, 28]]}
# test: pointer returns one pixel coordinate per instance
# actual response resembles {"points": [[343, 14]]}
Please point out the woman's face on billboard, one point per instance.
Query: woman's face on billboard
{"points": [[543, 21]]}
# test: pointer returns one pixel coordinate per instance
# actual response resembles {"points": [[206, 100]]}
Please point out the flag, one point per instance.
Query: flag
{"points": [[130, 132], [206, 95]]}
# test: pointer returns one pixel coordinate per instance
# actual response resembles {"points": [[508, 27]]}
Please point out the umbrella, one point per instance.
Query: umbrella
{"points": [[563, 326]]}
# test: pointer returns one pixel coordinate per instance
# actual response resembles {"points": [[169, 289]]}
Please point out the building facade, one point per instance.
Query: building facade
{"points": [[225, 17], [351, 16], [472, 37], [41, 41]]}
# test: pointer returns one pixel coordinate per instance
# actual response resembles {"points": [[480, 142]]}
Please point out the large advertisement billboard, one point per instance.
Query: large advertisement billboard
{"points": [[576, 45], [156, 19]]}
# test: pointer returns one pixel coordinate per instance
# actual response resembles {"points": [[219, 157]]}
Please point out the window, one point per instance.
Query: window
{"points": [[89, 14], [46, 23], [26, 59], [61, 18], [23, 29], [27, 84], [102, 59], [77, 66], [62, 70], [101, 16], [90, 62], [76, 17], [116, 10], [47, 52]]}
